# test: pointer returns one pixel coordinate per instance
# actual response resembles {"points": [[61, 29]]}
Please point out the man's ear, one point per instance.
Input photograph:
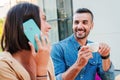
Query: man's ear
{"points": [[92, 25]]}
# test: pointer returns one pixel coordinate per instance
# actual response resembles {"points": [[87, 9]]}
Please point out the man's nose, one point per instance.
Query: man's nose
{"points": [[80, 25]]}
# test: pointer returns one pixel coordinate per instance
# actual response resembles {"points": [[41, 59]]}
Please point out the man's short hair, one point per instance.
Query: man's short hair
{"points": [[84, 10]]}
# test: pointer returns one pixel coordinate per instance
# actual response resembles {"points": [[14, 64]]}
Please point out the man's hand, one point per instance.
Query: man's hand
{"points": [[104, 49], [84, 55]]}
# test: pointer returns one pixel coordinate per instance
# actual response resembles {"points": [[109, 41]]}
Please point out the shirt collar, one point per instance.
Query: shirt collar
{"points": [[75, 42]]}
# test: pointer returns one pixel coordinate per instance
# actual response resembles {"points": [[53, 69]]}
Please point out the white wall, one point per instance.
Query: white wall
{"points": [[106, 24], [51, 14]]}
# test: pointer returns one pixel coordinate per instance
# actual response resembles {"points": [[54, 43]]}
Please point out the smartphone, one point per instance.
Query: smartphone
{"points": [[30, 30]]}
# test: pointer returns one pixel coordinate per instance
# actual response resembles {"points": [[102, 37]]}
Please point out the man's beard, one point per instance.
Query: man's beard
{"points": [[81, 33]]}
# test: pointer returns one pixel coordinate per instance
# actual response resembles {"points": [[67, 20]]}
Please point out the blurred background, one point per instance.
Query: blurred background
{"points": [[59, 15]]}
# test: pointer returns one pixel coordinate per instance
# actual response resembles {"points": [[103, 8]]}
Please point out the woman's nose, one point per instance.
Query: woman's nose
{"points": [[49, 26]]}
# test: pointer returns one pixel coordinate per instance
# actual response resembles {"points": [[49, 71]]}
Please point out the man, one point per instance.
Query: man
{"points": [[73, 59]]}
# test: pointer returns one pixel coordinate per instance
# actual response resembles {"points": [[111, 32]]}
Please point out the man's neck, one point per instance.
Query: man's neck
{"points": [[82, 42]]}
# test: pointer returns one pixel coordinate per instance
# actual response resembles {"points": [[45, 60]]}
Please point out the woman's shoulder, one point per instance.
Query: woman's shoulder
{"points": [[5, 68], [5, 56], [5, 61], [11, 69]]}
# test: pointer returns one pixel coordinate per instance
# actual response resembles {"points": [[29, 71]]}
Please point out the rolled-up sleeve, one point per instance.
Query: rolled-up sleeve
{"points": [[109, 75], [59, 76]]}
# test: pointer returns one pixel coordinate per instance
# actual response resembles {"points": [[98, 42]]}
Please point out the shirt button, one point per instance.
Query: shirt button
{"points": [[94, 62], [81, 76]]}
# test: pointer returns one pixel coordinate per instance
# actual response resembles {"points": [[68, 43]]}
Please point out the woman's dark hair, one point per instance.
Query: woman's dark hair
{"points": [[13, 38]]}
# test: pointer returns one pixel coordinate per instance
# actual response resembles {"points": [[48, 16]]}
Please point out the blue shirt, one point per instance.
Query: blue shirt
{"points": [[64, 55]]}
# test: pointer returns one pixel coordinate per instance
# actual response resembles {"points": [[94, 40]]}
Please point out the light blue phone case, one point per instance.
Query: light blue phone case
{"points": [[30, 30]]}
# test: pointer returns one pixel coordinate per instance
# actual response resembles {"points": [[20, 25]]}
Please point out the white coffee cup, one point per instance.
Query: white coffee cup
{"points": [[93, 46]]}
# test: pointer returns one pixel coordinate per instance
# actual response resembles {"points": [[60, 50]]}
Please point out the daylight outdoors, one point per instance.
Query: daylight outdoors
{"points": [[59, 13]]}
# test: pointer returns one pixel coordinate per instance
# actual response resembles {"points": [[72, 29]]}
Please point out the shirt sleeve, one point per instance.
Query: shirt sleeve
{"points": [[58, 60], [6, 72], [106, 75], [109, 75]]}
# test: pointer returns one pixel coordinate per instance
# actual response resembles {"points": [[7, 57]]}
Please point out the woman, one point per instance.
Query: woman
{"points": [[19, 60]]}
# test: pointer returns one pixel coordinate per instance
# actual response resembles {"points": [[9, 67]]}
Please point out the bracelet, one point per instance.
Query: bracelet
{"points": [[41, 76], [105, 57]]}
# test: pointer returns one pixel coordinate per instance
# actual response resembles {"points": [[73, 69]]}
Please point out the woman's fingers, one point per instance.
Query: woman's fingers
{"points": [[32, 48], [47, 40], [38, 41], [43, 39], [42, 44]]}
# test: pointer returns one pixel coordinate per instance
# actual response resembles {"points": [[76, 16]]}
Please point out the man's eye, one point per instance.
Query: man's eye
{"points": [[76, 22], [85, 22]]}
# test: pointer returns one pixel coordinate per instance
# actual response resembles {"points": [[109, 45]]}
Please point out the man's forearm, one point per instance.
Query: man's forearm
{"points": [[106, 64], [71, 73]]}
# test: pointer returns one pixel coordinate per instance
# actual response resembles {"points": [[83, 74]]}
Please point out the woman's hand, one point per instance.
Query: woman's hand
{"points": [[42, 55]]}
